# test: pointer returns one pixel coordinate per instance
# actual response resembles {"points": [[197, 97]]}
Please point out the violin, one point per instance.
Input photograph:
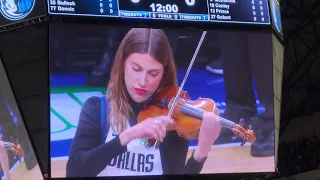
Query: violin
{"points": [[16, 149], [188, 114]]}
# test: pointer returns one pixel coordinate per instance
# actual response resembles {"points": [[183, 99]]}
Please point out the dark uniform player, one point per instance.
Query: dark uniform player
{"points": [[247, 57]]}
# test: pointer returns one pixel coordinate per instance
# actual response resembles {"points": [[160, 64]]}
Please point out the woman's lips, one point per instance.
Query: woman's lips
{"points": [[140, 91]]}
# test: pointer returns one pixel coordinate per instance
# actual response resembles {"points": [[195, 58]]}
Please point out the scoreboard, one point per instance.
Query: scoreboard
{"points": [[210, 11]]}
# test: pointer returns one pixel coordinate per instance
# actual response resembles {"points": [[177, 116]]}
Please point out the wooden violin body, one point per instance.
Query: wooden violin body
{"points": [[188, 114]]}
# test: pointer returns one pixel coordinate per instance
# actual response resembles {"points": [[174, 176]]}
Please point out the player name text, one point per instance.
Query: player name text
{"points": [[63, 6]]}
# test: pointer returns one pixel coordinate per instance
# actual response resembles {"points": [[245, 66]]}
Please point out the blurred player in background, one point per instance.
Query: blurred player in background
{"points": [[245, 57]]}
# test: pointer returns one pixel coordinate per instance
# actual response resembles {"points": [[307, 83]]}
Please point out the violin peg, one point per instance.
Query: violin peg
{"points": [[241, 122]]}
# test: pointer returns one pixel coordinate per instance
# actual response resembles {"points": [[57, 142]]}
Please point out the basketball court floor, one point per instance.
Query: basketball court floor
{"points": [[68, 94], [19, 171]]}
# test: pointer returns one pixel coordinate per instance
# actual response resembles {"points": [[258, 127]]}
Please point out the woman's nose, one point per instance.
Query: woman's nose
{"points": [[142, 80]]}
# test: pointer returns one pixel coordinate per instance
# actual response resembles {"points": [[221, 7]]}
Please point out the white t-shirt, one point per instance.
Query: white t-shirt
{"points": [[139, 160]]}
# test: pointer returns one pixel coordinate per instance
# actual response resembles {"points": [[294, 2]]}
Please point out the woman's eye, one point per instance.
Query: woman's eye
{"points": [[136, 69], [154, 75]]}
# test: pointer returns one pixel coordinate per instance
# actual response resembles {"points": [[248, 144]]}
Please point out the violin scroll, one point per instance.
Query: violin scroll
{"points": [[246, 135]]}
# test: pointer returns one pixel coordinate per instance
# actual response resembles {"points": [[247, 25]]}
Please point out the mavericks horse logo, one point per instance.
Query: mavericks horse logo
{"points": [[15, 10]]}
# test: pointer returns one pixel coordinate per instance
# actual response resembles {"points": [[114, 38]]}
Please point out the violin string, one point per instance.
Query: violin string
{"points": [[181, 104], [225, 122]]}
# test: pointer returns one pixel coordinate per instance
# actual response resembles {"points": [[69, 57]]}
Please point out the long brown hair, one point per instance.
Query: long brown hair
{"points": [[138, 40]]}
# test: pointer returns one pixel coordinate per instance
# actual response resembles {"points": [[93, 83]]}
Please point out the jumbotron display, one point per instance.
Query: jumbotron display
{"points": [[114, 93], [17, 157], [225, 11]]}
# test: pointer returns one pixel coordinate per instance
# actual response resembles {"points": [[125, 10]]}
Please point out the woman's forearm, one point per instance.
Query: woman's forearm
{"points": [[91, 163], [200, 156], [194, 165]]}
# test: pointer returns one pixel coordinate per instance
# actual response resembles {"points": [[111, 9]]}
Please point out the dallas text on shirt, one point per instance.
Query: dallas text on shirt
{"points": [[134, 162]]}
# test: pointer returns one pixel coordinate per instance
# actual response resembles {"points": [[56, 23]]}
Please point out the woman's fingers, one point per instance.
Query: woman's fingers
{"points": [[211, 122], [211, 118], [155, 134], [166, 119], [160, 128], [156, 128], [207, 116]]}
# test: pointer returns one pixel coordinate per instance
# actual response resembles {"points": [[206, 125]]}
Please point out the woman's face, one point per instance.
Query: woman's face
{"points": [[142, 76]]}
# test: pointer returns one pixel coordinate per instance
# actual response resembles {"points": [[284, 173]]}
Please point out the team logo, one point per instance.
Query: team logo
{"points": [[276, 15], [15, 10]]}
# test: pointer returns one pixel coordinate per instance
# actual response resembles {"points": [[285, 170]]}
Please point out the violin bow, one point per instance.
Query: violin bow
{"points": [[156, 145]]}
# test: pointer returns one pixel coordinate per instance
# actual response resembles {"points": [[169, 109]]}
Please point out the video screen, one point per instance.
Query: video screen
{"points": [[118, 108], [17, 157]]}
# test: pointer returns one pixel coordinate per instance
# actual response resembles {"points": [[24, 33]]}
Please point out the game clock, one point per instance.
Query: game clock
{"points": [[168, 8]]}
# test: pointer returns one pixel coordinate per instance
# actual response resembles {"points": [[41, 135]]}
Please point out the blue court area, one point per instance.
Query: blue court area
{"points": [[69, 92]]}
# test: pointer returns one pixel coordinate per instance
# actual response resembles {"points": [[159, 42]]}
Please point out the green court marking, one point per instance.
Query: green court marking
{"points": [[70, 91], [76, 99], [68, 125], [76, 89]]}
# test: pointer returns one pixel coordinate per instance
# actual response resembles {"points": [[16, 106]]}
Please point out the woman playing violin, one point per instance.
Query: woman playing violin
{"points": [[143, 64]]}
